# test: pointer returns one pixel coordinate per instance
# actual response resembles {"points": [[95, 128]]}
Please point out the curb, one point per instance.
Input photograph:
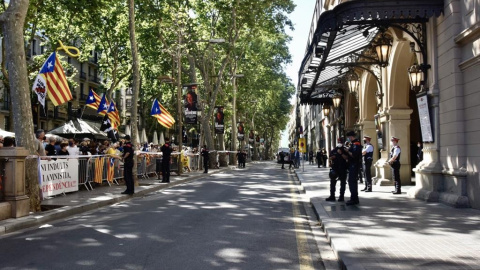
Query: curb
{"points": [[340, 247], [13, 225]]}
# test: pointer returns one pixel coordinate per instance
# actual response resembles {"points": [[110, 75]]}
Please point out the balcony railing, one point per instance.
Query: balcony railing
{"points": [[83, 75]]}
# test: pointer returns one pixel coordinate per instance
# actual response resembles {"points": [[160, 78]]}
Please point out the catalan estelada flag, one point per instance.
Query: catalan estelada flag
{"points": [[113, 115], [110, 169], [51, 81], [164, 118], [93, 100], [103, 106], [99, 163]]}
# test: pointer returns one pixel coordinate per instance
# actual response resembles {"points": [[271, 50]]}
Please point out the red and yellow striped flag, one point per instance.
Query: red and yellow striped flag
{"points": [[164, 118], [99, 170], [110, 169], [93, 100], [52, 80]]}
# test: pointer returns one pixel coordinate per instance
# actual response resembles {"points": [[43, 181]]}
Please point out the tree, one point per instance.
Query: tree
{"points": [[13, 20], [136, 78]]}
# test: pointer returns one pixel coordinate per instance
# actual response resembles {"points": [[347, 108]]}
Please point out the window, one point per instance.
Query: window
{"points": [[89, 71], [69, 60], [34, 45], [42, 125], [82, 94], [7, 123], [42, 49]]}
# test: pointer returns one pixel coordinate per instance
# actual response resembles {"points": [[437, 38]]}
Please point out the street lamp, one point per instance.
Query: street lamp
{"points": [[326, 109], [353, 81], [415, 74], [336, 100], [383, 47]]}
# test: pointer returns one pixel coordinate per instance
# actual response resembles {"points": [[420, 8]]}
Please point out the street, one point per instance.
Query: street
{"points": [[241, 219]]}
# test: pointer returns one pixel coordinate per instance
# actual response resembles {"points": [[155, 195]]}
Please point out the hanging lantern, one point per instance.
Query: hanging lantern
{"points": [[415, 74], [336, 100], [353, 82], [383, 47], [326, 109]]}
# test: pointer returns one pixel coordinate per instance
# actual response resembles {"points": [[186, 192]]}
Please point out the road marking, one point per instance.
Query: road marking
{"points": [[305, 259]]}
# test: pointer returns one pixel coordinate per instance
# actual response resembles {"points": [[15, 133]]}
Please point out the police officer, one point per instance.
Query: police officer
{"points": [[354, 163], [338, 169], [128, 166], [205, 156], [367, 154], [394, 161], [166, 151]]}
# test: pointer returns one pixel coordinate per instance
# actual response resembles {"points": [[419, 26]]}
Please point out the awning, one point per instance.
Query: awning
{"points": [[339, 38]]}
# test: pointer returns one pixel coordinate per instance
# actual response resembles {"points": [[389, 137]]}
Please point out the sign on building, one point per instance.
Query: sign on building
{"points": [[424, 115]]}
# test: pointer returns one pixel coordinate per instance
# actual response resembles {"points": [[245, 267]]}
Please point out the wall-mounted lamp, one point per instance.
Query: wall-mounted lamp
{"points": [[383, 47], [336, 100], [326, 109], [353, 81], [415, 74]]}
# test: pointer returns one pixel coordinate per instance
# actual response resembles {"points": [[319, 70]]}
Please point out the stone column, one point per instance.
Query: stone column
{"points": [[13, 159]]}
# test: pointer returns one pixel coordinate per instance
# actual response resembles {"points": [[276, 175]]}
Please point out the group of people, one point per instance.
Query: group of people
{"points": [[347, 161], [321, 157]]}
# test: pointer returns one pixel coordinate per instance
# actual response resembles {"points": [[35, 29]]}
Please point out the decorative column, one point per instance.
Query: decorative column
{"points": [[12, 160]]}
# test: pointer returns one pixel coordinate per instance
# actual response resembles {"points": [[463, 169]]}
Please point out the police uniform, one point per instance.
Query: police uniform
{"points": [[354, 161], [395, 163], [367, 161], [338, 170], [205, 156], [128, 166], [166, 151]]}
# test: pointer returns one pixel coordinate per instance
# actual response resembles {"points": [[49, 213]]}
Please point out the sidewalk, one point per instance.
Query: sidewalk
{"points": [[387, 231], [82, 201]]}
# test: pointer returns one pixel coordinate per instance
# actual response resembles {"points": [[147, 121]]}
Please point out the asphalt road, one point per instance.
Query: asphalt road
{"points": [[240, 219]]}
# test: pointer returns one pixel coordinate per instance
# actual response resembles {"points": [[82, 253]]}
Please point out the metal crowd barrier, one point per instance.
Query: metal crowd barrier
{"points": [[96, 174]]}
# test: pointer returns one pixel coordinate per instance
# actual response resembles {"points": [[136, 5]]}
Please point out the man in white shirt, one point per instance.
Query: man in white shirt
{"points": [[394, 161], [367, 154], [72, 148]]}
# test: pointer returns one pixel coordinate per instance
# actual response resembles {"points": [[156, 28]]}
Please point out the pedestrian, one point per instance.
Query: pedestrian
{"points": [[240, 158], [166, 150], [319, 158], [419, 152], [63, 149], [310, 157], [367, 154], [354, 162], [127, 157], [244, 158], [282, 159], [205, 156], [291, 160], [72, 148], [297, 158], [39, 135], [394, 162], [324, 157], [338, 170], [50, 147]]}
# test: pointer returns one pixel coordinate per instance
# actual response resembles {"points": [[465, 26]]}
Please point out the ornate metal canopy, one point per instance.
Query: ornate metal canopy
{"points": [[341, 38]]}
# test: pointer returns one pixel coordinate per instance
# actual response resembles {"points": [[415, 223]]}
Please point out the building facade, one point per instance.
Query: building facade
{"points": [[366, 56]]}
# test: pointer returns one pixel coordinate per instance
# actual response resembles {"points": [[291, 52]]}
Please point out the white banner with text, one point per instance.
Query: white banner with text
{"points": [[58, 176]]}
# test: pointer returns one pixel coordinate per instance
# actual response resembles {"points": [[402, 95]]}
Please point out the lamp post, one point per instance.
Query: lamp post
{"points": [[233, 146]]}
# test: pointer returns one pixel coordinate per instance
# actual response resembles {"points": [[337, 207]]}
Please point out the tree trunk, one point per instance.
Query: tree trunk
{"points": [[13, 21], [136, 81], [233, 146]]}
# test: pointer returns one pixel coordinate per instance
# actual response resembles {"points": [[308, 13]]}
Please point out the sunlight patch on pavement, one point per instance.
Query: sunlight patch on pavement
{"points": [[221, 205], [232, 255]]}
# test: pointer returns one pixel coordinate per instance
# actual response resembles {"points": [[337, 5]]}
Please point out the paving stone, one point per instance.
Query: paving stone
{"points": [[388, 231]]}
